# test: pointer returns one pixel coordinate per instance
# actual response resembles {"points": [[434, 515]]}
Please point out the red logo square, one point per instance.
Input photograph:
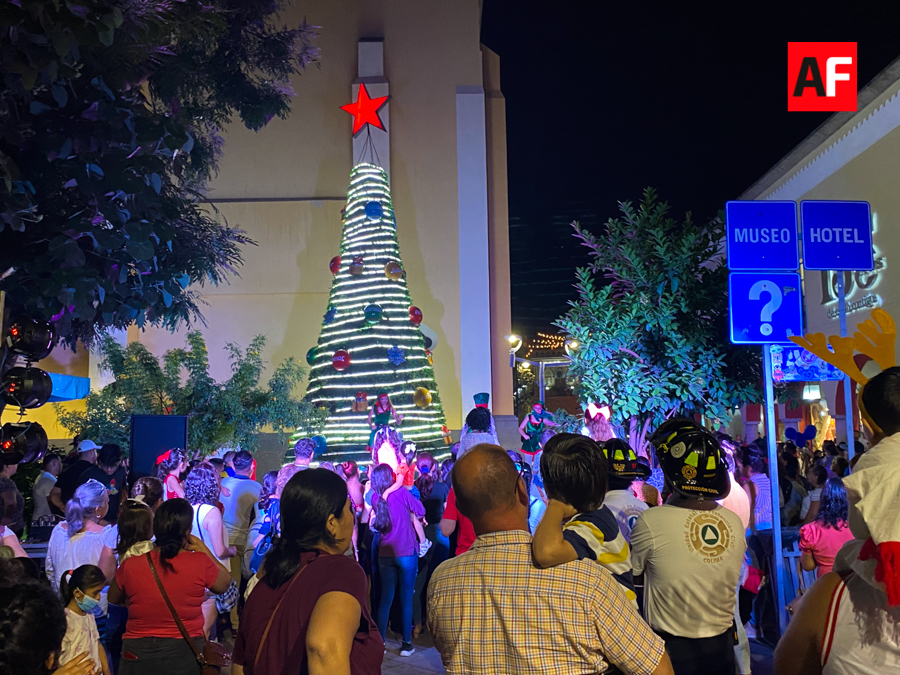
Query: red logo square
{"points": [[822, 76]]}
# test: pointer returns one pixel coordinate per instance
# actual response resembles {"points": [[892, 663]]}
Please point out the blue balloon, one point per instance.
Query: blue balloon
{"points": [[374, 210], [810, 432], [791, 433], [321, 443]]}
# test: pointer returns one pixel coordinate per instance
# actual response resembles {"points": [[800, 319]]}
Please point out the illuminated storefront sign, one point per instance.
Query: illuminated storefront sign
{"points": [[865, 282]]}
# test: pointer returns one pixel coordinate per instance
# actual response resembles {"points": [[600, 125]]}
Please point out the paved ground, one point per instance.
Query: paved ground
{"points": [[426, 660]]}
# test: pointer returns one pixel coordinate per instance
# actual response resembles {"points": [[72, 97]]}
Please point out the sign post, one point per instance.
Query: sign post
{"points": [[765, 303], [837, 235]]}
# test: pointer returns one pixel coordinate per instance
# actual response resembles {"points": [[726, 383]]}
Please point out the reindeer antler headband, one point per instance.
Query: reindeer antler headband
{"points": [[875, 337]]}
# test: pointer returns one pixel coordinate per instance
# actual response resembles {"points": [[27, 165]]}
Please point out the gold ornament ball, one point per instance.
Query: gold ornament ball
{"points": [[393, 270], [422, 397]]}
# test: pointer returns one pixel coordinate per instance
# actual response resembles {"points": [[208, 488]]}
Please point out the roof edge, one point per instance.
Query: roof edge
{"points": [[876, 88]]}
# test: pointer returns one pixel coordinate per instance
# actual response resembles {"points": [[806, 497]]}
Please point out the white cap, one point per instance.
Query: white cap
{"points": [[87, 446]]}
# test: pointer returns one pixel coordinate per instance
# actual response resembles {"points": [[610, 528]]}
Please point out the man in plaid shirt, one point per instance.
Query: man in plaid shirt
{"points": [[492, 610]]}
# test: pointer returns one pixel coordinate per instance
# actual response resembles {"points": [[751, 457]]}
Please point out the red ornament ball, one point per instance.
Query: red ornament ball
{"points": [[335, 264], [341, 359], [415, 315]]}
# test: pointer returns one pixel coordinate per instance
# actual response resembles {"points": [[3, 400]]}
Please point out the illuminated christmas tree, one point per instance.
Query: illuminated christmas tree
{"points": [[371, 340]]}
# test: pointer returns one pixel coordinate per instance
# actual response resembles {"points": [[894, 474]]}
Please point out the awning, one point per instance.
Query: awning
{"points": [[69, 387]]}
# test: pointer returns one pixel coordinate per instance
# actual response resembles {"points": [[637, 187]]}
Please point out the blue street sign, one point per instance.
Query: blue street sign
{"points": [[837, 235], [765, 307], [762, 235]]}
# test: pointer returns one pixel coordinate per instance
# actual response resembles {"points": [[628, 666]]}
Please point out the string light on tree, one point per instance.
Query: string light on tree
{"points": [[374, 325]]}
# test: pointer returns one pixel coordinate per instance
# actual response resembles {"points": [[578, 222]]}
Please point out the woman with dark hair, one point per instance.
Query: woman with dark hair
{"points": [[170, 465], [32, 627], [397, 564], [201, 489], [320, 625], [135, 535], [433, 494], [821, 539], [148, 490], [817, 475], [479, 428], [186, 568]]}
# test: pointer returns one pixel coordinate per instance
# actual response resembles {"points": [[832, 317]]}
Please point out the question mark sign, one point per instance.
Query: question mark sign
{"points": [[775, 298]]}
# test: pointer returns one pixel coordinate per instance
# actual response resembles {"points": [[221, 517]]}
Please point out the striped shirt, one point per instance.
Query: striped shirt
{"points": [[762, 512], [492, 611], [596, 536]]}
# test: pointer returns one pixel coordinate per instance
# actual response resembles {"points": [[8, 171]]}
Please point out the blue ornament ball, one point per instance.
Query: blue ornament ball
{"points": [[374, 210], [321, 443], [330, 314]]}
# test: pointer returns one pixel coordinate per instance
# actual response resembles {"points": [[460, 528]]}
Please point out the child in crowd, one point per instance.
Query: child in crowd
{"points": [[576, 524], [80, 591], [135, 530], [170, 465]]}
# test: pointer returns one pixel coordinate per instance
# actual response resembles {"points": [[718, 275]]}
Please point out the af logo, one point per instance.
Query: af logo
{"points": [[709, 535]]}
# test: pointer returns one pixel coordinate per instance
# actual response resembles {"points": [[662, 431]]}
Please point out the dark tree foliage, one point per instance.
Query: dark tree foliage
{"points": [[110, 112], [652, 321]]}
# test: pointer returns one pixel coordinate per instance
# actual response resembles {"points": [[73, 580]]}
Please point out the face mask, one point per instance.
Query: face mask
{"points": [[87, 604]]}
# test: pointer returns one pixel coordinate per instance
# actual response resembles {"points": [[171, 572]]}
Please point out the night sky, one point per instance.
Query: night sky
{"points": [[605, 98]]}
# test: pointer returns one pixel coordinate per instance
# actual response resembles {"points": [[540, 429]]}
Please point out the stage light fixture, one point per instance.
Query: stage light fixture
{"points": [[26, 387], [22, 442], [29, 338]]}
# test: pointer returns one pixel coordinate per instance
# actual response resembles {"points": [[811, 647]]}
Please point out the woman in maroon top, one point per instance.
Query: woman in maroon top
{"points": [[308, 613]]}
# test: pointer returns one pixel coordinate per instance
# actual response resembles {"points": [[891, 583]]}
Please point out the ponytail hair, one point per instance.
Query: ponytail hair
{"points": [[168, 462], [87, 499], [428, 470], [382, 479], [83, 578], [149, 489]]}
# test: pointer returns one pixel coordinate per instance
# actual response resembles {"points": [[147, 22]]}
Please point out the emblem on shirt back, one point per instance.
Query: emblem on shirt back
{"points": [[709, 535]]}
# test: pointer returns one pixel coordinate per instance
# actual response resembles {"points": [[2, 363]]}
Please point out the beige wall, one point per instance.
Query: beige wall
{"points": [[304, 163], [873, 176], [286, 185], [498, 226]]}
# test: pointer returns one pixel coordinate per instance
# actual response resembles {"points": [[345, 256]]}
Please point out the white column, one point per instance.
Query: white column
{"points": [[474, 265], [370, 144]]}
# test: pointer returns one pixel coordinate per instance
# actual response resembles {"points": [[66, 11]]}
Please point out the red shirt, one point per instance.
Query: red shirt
{"points": [[465, 536], [185, 585], [284, 652]]}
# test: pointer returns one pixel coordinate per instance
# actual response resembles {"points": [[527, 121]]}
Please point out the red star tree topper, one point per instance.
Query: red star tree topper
{"points": [[365, 110]]}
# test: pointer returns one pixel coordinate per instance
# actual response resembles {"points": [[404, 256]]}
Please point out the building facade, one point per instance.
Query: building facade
{"points": [[852, 156], [445, 153]]}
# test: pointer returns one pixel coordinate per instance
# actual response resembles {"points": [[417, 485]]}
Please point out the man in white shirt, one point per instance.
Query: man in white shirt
{"points": [[240, 505], [690, 552], [43, 486], [623, 469]]}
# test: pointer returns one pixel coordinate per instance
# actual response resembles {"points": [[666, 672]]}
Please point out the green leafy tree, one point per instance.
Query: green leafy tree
{"points": [[110, 112], [222, 414], [651, 321]]}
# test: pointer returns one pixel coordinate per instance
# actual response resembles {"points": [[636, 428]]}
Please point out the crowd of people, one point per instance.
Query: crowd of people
{"points": [[565, 561]]}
